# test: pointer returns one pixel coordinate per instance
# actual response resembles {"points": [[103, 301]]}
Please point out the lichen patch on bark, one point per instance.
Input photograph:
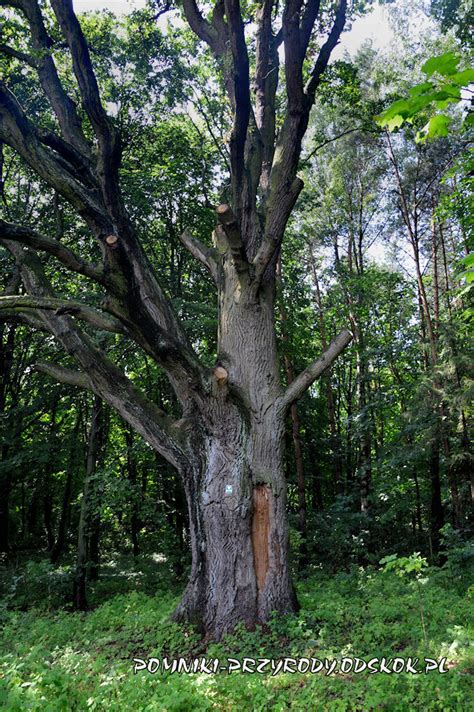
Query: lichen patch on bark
{"points": [[260, 532]]}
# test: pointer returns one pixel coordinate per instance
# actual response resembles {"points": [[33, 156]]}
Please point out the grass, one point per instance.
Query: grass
{"points": [[60, 660]]}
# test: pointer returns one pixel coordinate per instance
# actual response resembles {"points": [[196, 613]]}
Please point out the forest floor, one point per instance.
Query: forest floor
{"points": [[55, 659]]}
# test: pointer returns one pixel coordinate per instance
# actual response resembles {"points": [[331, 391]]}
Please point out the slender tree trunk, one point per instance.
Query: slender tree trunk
{"points": [[48, 490], [93, 446], [94, 549], [134, 505], [436, 507], [417, 502], [95, 491], [5, 489], [365, 454], [349, 438], [364, 465], [6, 474], [48, 514], [463, 472], [60, 542], [317, 490]]}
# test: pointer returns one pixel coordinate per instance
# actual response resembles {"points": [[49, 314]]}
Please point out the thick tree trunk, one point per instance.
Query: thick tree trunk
{"points": [[238, 529], [236, 492]]}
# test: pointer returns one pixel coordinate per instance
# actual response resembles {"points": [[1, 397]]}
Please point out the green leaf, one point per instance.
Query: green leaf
{"points": [[420, 89], [445, 102], [463, 78], [468, 261], [437, 126], [394, 123], [447, 91], [394, 115], [444, 64]]}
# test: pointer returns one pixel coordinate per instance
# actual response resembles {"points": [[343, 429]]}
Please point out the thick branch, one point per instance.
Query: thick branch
{"points": [[60, 307], [294, 55], [85, 76], [62, 105], [241, 90], [227, 41], [18, 132], [326, 50], [206, 32], [284, 185], [64, 375], [308, 19], [201, 252], [107, 380], [108, 139], [32, 238], [72, 156], [138, 300], [231, 231], [21, 56], [265, 87], [275, 228], [302, 382]]}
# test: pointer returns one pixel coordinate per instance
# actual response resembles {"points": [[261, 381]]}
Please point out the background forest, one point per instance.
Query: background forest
{"points": [[94, 540]]}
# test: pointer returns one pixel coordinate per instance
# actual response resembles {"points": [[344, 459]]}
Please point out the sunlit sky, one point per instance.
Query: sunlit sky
{"points": [[373, 26]]}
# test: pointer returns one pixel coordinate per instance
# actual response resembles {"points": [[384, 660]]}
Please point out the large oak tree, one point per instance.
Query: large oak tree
{"points": [[228, 444]]}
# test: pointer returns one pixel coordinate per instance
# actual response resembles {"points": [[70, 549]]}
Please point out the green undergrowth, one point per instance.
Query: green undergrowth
{"points": [[60, 660]]}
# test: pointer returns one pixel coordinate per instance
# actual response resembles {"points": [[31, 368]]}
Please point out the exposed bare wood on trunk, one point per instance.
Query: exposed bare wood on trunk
{"points": [[260, 533]]}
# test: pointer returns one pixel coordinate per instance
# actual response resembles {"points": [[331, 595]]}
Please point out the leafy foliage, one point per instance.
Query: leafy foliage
{"points": [[65, 660], [445, 88]]}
